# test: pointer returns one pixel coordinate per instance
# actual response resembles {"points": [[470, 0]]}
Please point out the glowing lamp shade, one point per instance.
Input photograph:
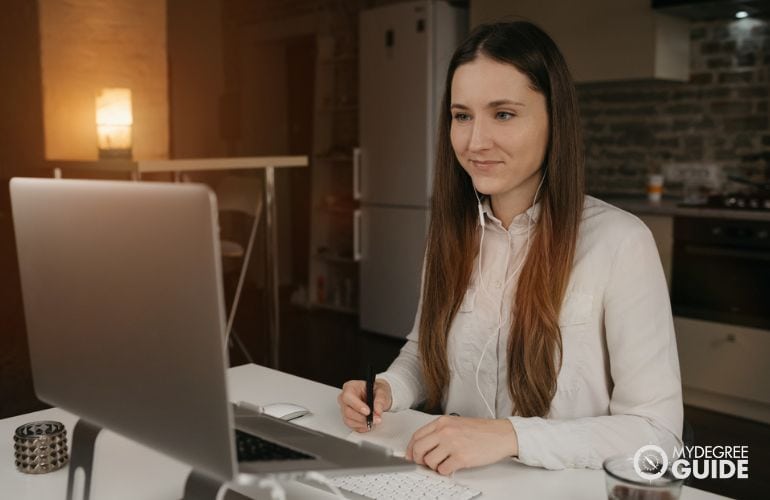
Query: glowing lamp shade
{"points": [[113, 123]]}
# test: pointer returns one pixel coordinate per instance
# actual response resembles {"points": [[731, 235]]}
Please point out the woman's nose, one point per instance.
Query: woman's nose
{"points": [[480, 138]]}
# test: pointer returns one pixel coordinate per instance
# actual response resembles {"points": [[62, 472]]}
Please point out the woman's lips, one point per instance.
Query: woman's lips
{"points": [[484, 165]]}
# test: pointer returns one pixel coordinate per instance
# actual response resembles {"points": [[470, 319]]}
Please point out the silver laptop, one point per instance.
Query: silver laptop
{"points": [[125, 318]]}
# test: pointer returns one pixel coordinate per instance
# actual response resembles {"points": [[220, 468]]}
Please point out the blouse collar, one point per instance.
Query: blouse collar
{"points": [[519, 224]]}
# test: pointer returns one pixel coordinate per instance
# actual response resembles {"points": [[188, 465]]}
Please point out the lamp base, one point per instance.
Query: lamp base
{"points": [[115, 154]]}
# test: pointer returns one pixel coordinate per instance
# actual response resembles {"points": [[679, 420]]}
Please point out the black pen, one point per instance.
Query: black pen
{"points": [[370, 397]]}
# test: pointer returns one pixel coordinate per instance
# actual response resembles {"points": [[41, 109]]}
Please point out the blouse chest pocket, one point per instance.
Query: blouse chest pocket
{"points": [[576, 309], [473, 318], [573, 321]]}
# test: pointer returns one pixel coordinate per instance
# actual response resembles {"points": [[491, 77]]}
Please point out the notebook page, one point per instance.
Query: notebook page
{"points": [[394, 431]]}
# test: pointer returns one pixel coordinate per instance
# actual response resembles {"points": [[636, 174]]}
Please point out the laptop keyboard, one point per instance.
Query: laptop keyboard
{"points": [[404, 486], [255, 449]]}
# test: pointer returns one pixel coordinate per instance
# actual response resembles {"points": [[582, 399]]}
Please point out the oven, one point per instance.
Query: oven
{"points": [[721, 270]]}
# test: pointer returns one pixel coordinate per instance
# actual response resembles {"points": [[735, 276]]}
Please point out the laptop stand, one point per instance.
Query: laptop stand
{"points": [[82, 456], [200, 487], [197, 486]]}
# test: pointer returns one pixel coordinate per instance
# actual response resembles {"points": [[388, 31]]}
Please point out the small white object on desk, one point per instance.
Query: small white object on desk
{"points": [[285, 411]]}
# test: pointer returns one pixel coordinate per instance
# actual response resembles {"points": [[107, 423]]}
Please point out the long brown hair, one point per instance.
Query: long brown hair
{"points": [[534, 347]]}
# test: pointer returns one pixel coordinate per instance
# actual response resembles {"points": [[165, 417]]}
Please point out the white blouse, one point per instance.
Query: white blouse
{"points": [[619, 386]]}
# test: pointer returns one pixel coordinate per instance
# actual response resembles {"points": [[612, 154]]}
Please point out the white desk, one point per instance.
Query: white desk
{"points": [[126, 470]]}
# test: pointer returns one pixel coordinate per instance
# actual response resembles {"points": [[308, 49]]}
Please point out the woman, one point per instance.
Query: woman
{"points": [[544, 319]]}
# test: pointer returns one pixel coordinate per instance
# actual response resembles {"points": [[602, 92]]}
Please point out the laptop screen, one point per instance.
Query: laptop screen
{"points": [[122, 293]]}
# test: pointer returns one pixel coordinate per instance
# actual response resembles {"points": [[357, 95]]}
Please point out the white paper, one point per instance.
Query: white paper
{"points": [[395, 431]]}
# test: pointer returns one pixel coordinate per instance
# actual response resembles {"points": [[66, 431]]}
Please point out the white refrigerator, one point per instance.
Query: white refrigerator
{"points": [[404, 50]]}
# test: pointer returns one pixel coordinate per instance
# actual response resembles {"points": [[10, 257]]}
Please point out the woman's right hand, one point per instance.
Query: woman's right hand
{"points": [[352, 401]]}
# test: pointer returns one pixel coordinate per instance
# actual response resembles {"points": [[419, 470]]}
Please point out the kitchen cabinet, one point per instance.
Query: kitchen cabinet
{"points": [[724, 367], [604, 40]]}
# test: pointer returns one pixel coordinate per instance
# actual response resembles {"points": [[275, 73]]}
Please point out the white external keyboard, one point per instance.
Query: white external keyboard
{"points": [[404, 486]]}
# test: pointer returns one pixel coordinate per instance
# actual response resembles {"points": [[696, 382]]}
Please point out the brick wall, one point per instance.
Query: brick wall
{"points": [[719, 116]]}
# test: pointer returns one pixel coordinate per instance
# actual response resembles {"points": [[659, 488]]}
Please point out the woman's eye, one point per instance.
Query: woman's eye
{"points": [[462, 117], [504, 115]]}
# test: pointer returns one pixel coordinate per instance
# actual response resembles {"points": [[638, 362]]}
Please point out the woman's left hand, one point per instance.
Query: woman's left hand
{"points": [[448, 444]]}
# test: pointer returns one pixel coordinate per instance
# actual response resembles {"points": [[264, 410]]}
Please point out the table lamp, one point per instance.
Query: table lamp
{"points": [[113, 123]]}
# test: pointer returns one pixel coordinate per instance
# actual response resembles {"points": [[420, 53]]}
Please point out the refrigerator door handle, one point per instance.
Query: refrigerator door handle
{"points": [[357, 253], [356, 173]]}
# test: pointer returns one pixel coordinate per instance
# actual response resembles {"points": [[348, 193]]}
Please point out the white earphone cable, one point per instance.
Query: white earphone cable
{"points": [[496, 332]]}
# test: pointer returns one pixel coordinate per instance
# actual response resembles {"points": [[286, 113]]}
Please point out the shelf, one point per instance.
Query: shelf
{"points": [[191, 164], [332, 271], [344, 108], [335, 258], [346, 210], [334, 158], [332, 307], [343, 58]]}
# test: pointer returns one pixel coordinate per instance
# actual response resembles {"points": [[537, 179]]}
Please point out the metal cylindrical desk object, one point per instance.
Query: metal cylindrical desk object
{"points": [[40, 447]]}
